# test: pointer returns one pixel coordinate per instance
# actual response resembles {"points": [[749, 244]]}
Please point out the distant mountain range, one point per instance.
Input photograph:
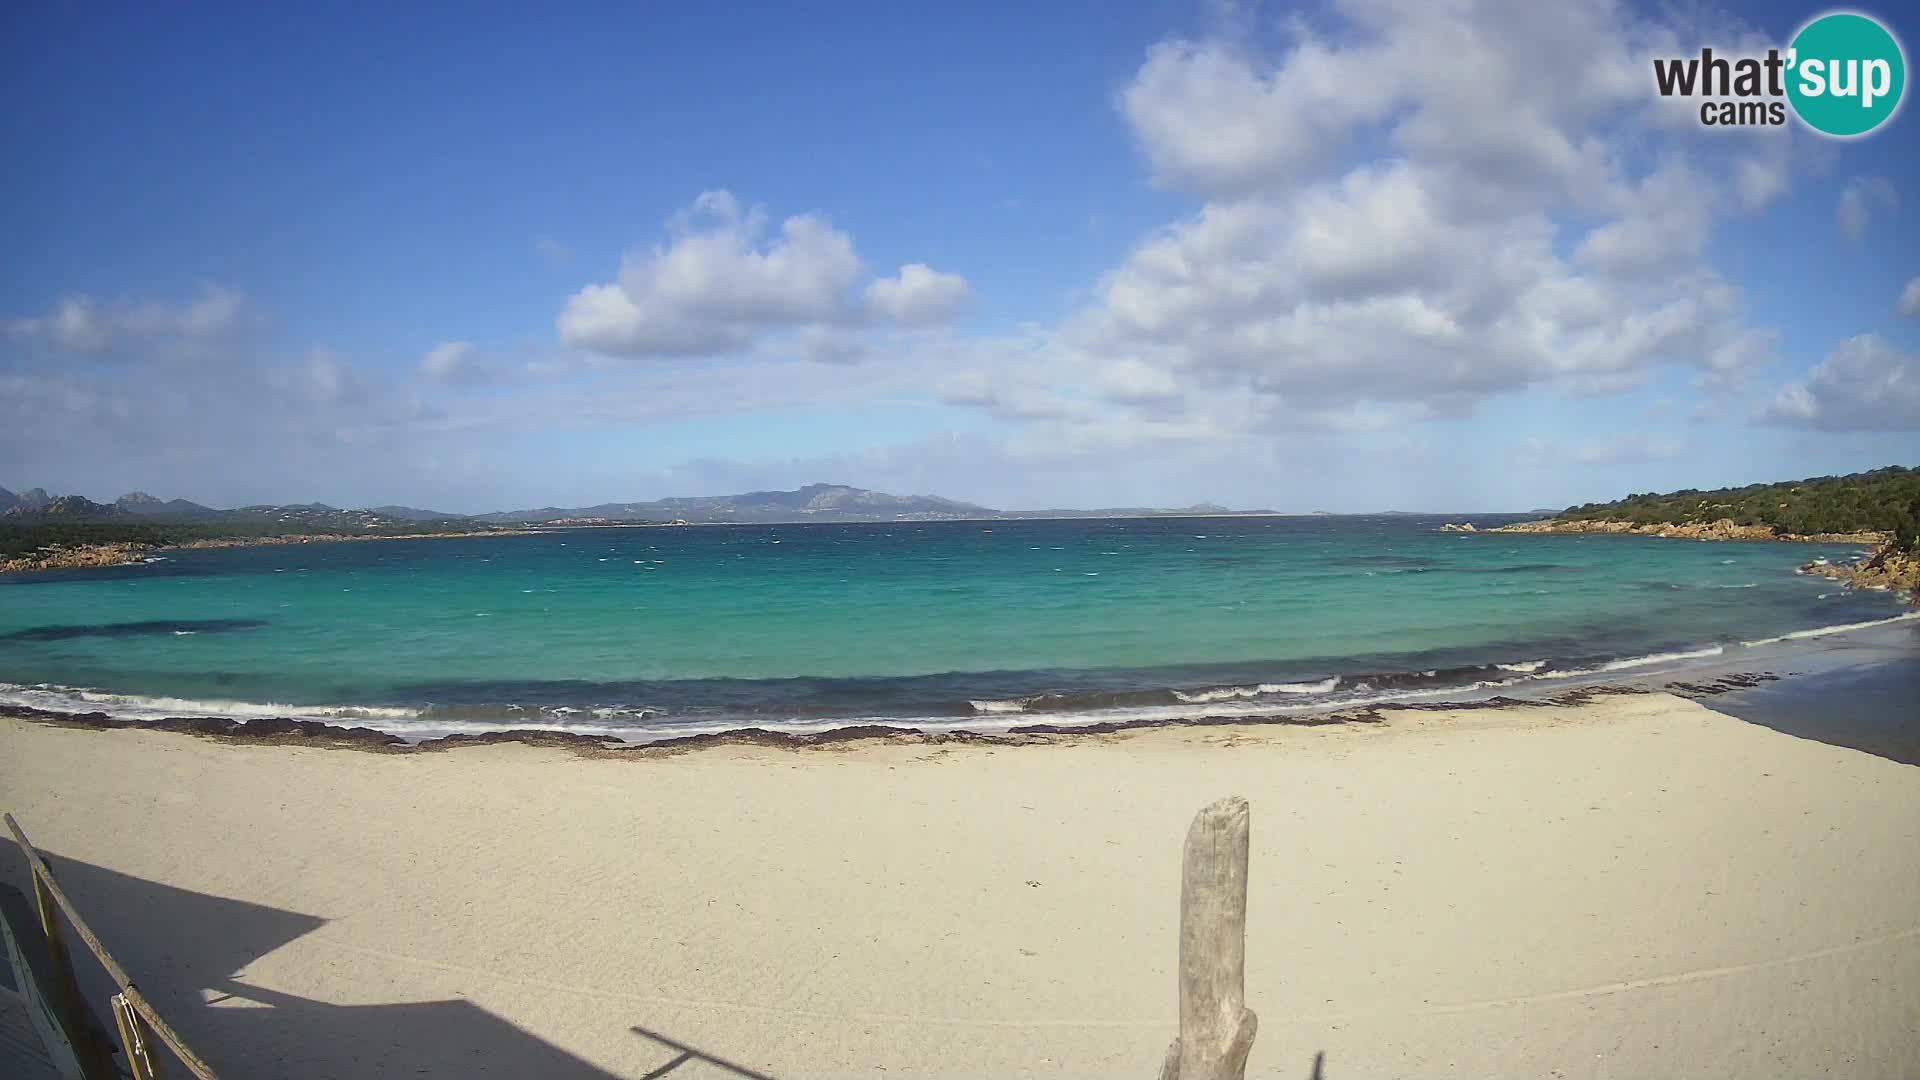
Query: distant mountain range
{"points": [[37, 501], [814, 502]]}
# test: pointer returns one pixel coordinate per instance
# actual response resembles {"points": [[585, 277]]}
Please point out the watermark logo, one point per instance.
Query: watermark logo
{"points": [[1843, 75]]}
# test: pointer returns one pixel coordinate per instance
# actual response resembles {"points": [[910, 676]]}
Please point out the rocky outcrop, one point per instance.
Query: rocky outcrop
{"points": [[1884, 569], [81, 556], [1468, 527], [1724, 529], [61, 558], [26, 501]]}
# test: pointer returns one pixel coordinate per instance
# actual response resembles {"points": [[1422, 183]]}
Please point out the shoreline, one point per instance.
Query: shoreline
{"points": [[317, 733], [1696, 674], [390, 726], [96, 556]]}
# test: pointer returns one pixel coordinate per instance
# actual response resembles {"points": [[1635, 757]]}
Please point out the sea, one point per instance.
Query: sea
{"points": [[656, 632]]}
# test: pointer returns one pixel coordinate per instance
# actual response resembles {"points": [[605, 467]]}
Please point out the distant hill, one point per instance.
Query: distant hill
{"points": [[139, 502], [410, 513], [26, 501], [814, 502], [818, 502], [1883, 500], [63, 506]]}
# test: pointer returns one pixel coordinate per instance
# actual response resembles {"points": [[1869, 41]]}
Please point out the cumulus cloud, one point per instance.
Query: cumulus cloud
{"points": [[1404, 210], [1864, 385], [1136, 382], [1910, 299], [1861, 199], [918, 294], [447, 360], [726, 276], [82, 324]]}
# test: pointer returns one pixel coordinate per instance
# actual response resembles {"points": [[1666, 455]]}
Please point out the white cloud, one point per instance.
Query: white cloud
{"points": [[446, 360], [918, 294], [1210, 120], [325, 378], [1502, 91], [1761, 180], [1864, 385], [1406, 210], [82, 324], [1136, 382], [1861, 199], [722, 280], [1910, 299], [1666, 219]]}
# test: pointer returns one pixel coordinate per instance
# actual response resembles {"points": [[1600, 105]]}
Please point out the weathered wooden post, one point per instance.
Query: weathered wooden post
{"points": [[1216, 1027]]}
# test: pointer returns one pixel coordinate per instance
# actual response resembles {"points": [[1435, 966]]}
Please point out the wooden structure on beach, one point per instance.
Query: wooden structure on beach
{"points": [[67, 1039]]}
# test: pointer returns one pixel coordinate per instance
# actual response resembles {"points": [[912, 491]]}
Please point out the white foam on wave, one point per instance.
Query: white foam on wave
{"points": [[1230, 693], [1661, 658], [1839, 628], [56, 698], [1524, 666], [1009, 705]]}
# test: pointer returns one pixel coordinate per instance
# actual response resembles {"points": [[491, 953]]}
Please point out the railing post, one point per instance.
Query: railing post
{"points": [[1216, 1027], [134, 1040], [94, 1061]]}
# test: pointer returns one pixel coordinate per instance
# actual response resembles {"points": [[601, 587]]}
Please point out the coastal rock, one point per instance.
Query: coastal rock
{"points": [[80, 556], [1723, 529], [1884, 569], [1451, 527], [58, 557]]}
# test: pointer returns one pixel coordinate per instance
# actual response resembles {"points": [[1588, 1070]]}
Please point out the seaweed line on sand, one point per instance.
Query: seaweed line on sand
{"points": [[284, 731]]}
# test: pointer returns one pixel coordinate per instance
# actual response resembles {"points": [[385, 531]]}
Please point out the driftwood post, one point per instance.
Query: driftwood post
{"points": [[1216, 1027]]}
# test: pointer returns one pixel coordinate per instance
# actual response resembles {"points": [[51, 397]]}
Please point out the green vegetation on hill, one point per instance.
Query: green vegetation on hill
{"points": [[1884, 500]]}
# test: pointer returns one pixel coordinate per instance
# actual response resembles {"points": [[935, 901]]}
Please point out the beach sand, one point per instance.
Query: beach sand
{"points": [[1634, 887]]}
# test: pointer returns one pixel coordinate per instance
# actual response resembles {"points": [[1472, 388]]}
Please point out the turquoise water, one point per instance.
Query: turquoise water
{"points": [[649, 631]]}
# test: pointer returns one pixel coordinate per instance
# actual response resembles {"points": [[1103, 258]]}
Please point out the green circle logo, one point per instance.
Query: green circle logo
{"points": [[1845, 74]]}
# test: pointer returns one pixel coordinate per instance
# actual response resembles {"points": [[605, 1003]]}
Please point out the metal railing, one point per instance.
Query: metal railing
{"points": [[140, 1024]]}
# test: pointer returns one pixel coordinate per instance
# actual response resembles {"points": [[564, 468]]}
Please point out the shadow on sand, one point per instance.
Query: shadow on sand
{"points": [[188, 952]]}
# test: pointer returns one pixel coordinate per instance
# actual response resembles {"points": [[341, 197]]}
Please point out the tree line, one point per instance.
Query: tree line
{"points": [[1884, 500]]}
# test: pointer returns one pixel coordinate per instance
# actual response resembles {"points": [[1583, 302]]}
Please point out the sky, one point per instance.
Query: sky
{"points": [[1355, 256]]}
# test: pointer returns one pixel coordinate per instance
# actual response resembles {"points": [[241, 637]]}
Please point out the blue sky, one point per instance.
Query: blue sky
{"points": [[1349, 256]]}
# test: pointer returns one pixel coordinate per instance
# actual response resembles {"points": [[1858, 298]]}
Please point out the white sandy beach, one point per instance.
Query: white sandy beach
{"points": [[1636, 887]]}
